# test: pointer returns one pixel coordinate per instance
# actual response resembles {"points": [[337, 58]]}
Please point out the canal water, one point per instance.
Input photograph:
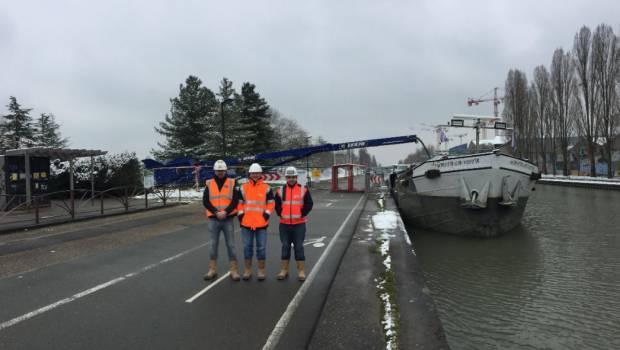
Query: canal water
{"points": [[553, 283]]}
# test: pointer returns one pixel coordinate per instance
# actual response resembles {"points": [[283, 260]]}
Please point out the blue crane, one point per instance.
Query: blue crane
{"points": [[181, 170]]}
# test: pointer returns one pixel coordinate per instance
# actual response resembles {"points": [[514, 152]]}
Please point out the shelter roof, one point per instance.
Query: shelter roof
{"points": [[55, 153]]}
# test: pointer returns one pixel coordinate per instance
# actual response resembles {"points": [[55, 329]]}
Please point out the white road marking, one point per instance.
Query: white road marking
{"points": [[92, 290], [313, 241], [277, 331], [207, 288], [328, 204]]}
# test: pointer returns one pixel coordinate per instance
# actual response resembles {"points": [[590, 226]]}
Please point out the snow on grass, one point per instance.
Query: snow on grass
{"points": [[387, 221]]}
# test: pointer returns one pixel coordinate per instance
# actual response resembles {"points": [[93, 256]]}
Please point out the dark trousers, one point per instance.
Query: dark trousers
{"points": [[295, 235]]}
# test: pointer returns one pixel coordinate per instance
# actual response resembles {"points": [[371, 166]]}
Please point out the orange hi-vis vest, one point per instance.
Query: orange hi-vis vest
{"points": [[220, 199], [292, 202], [254, 203]]}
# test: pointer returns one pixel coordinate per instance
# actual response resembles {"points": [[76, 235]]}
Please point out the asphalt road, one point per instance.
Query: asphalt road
{"points": [[135, 296]]}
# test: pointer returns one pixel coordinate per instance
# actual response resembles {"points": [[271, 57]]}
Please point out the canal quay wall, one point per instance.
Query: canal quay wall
{"points": [[379, 298], [581, 181]]}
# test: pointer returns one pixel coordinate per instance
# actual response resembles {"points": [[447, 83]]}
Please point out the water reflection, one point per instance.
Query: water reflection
{"points": [[552, 283]]}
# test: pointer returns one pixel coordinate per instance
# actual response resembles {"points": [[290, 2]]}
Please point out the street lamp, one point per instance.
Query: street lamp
{"points": [[224, 101], [308, 179]]}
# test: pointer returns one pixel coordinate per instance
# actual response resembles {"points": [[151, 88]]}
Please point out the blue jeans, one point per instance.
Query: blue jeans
{"points": [[248, 242], [226, 227], [295, 235]]}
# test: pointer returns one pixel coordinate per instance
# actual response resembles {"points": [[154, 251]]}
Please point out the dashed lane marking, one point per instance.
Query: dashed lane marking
{"points": [[197, 295], [92, 290]]}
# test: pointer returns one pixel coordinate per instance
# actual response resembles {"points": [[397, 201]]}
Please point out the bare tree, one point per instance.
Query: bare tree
{"points": [[562, 97], [605, 68], [516, 109], [541, 102], [587, 92]]}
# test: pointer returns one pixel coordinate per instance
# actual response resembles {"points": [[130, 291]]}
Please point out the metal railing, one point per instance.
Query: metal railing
{"points": [[17, 212]]}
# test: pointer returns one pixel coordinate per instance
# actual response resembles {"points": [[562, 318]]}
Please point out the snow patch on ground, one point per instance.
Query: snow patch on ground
{"points": [[581, 179], [174, 195], [385, 220]]}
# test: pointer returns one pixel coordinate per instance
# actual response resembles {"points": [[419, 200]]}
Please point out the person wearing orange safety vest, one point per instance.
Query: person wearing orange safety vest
{"points": [[220, 200], [256, 203], [293, 204]]}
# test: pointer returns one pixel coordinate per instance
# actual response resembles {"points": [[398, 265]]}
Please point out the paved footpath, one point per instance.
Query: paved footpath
{"points": [[135, 295]]}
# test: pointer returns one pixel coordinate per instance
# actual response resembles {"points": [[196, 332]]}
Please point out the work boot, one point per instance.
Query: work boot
{"points": [[212, 273], [301, 275], [247, 271], [284, 270], [234, 272], [261, 270]]}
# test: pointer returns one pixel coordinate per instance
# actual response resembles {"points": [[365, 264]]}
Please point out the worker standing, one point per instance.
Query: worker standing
{"points": [[293, 204], [256, 203], [220, 200]]}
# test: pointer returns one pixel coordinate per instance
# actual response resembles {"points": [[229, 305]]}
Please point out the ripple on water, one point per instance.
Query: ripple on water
{"points": [[552, 283]]}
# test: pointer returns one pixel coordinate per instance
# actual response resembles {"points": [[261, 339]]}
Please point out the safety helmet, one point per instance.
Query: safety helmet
{"points": [[220, 165], [255, 168], [290, 171]]}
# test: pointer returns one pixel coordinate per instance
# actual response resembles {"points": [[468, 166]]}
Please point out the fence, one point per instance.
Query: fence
{"points": [[70, 205]]}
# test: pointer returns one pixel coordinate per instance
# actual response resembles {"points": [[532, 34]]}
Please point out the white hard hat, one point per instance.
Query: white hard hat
{"points": [[255, 168], [220, 165], [290, 171]]}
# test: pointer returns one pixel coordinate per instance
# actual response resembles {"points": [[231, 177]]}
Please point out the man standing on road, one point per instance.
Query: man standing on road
{"points": [[256, 203], [293, 203], [220, 200]]}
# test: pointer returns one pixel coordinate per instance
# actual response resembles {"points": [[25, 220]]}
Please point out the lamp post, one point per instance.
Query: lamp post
{"points": [[308, 179], [224, 101]]}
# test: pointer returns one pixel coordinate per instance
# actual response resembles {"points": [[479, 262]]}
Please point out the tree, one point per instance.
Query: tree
{"points": [[516, 109], [418, 156], [191, 127], [605, 68], [287, 132], [364, 157], [587, 92], [255, 117], [17, 128], [47, 132], [230, 131], [541, 102], [563, 87]]}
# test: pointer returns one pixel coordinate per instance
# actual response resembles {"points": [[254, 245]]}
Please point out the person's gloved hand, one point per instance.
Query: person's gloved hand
{"points": [[266, 215]]}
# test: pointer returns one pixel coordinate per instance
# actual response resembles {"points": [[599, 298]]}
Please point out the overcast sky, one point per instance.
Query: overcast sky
{"points": [[345, 70]]}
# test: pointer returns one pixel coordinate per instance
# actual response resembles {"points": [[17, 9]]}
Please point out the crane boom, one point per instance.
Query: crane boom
{"points": [[169, 171]]}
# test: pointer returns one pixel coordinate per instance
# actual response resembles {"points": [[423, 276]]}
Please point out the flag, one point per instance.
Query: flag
{"points": [[442, 136]]}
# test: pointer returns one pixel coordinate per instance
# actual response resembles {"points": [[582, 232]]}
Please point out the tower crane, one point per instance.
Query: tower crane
{"points": [[496, 101]]}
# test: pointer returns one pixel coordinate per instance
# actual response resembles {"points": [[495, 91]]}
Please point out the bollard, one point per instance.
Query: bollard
{"points": [[146, 198], [72, 198], [102, 204], [36, 210], [125, 199]]}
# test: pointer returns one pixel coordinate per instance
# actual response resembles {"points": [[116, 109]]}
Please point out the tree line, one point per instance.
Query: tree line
{"points": [[204, 124], [18, 129], [578, 95]]}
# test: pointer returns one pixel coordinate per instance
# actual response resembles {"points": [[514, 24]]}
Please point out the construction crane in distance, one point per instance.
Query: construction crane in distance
{"points": [[496, 101]]}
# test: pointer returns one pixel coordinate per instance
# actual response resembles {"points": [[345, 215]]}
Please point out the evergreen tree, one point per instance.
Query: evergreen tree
{"points": [[228, 118], [255, 117], [190, 128], [47, 132], [17, 126]]}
